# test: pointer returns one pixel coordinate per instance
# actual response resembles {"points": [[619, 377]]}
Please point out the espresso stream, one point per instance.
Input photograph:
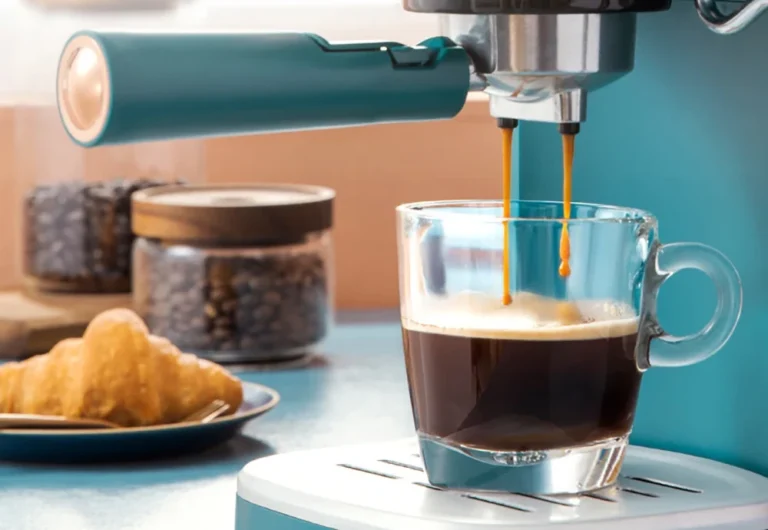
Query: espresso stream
{"points": [[565, 238], [506, 170], [520, 377], [564, 269]]}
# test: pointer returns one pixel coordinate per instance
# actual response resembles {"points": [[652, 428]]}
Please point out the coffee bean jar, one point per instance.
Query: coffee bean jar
{"points": [[78, 235], [235, 273]]}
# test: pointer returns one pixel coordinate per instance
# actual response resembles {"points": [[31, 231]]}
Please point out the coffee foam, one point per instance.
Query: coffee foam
{"points": [[528, 317]]}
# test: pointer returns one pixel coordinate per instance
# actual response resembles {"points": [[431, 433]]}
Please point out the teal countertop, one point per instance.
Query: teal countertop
{"points": [[357, 394]]}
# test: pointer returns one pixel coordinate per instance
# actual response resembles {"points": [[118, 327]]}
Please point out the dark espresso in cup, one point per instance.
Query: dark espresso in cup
{"points": [[538, 374]]}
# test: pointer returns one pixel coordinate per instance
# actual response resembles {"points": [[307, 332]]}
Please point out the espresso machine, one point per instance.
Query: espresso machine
{"points": [[538, 61]]}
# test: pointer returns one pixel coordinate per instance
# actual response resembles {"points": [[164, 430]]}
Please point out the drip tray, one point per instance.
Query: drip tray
{"points": [[384, 486]]}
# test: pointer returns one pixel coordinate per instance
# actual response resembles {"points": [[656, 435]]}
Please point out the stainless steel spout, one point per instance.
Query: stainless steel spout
{"points": [[563, 107]]}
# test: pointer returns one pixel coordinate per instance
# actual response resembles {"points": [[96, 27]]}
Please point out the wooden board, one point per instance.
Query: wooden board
{"points": [[32, 323]]}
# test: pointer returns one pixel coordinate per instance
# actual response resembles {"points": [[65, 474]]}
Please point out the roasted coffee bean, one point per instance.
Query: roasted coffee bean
{"points": [[78, 236], [210, 301]]}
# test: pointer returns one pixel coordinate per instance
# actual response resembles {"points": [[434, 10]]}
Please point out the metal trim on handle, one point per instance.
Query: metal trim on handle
{"points": [[724, 24]]}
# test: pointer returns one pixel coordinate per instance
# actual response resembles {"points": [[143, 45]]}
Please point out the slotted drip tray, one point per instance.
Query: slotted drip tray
{"points": [[384, 486]]}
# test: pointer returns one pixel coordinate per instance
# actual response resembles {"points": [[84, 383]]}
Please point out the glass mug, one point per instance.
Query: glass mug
{"points": [[539, 396]]}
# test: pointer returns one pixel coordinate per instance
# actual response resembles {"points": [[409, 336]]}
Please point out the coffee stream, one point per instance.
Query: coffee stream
{"points": [[506, 171], [565, 238]]}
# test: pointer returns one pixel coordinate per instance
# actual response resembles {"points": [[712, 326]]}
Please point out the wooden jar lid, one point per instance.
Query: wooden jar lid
{"points": [[237, 215]]}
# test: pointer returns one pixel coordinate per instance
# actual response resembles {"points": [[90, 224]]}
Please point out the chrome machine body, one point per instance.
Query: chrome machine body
{"points": [[541, 67]]}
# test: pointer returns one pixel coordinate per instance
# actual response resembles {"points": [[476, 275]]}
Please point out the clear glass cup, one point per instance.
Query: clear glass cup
{"points": [[539, 396]]}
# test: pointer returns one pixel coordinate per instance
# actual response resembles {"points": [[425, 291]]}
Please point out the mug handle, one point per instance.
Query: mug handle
{"points": [[671, 351]]}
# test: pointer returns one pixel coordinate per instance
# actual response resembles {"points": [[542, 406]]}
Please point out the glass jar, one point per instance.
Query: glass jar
{"points": [[235, 274], [78, 236]]}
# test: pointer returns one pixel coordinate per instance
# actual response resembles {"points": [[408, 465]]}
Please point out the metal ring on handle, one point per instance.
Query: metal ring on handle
{"points": [[724, 24]]}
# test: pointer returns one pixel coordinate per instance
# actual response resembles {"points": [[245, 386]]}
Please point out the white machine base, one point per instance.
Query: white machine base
{"points": [[384, 486]]}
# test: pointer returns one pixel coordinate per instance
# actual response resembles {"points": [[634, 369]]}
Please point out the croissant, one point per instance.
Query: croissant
{"points": [[116, 372]]}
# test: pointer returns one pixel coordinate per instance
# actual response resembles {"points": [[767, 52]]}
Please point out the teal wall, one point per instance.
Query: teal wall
{"points": [[684, 136]]}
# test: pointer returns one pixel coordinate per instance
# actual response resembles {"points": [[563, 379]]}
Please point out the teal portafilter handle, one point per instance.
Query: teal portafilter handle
{"points": [[131, 87]]}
